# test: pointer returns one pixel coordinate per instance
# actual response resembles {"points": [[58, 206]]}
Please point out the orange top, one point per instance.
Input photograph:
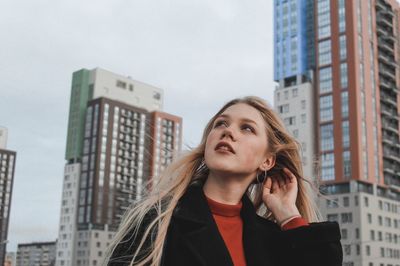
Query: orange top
{"points": [[230, 225]]}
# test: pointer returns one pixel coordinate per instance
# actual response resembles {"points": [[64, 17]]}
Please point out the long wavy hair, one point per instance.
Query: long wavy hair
{"points": [[190, 167]]}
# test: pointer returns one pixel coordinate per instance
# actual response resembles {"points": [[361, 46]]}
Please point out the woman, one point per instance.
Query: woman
{"points": [[239, 198]]}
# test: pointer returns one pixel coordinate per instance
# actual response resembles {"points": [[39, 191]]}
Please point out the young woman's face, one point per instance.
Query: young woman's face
{"points": [[237, 143]]}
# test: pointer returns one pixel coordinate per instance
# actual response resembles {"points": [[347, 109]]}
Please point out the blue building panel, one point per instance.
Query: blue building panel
{"points": [[291, 44]]}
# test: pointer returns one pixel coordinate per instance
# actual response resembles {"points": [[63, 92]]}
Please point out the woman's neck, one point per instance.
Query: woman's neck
{"points": [[225, 190]]}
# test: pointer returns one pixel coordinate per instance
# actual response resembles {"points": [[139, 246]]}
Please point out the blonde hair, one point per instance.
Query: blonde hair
{"points": [[190, 167]]}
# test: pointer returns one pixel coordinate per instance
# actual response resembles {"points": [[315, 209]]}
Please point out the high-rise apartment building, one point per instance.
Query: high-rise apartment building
{"points": [[7, 169], [40, 253], [355, 96], [124, 141], [96, 83]]}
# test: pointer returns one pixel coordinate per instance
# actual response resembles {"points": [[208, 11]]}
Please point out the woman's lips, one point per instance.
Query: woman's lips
{"points": [[224, 147]]}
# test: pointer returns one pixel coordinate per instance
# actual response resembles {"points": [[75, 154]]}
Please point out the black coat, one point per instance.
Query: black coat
{"points": [[193, 239]]}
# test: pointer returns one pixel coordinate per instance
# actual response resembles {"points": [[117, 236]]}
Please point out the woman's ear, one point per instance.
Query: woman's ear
{"points": [[268, 163]]}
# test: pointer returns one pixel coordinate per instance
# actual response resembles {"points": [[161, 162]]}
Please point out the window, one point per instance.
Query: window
{"points": [[345, 104], [367, 250], [347, 217], [294, 92], [346, 164], [357, 233], [325, 108], [343, 75], [327, 166], [303, 118], [333, 217], [324, 52], [344, 233], [324, 19], [156, 95], [343, 50], [325, 79], [372, 235], [369, 216], [388, 222], [326, 137], [303, 104], [366, 201], [347, 250], [346, 202], [342, 16], [290, 121], [121, 84], [283, 108], [332, 203]]}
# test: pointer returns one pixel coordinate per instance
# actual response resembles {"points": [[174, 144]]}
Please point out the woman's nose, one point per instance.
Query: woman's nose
{"points": [[228, 133]]}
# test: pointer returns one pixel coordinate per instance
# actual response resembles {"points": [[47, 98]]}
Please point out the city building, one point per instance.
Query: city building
{"points": [[355, 86], [122, 145], [7, 170], [96, 83], [36, 254]]}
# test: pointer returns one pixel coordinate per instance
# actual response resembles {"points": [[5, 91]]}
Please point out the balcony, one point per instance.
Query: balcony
{"points": [[384, 20], [392, 127], [392, 157], [386, 44], [387, 71], [389, 171], [387, 60], [389, 38], [380, 5], [388, 100]]}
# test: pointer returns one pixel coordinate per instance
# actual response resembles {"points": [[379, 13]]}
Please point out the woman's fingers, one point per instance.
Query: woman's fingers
{"points": [[291, 177], [275, 184], [268, 185], [283, 180]]}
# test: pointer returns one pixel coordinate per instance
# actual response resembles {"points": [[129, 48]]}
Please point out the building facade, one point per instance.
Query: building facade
{"points": [[355, 91], [125, 143], [7, 170], [36, 254], [67, 234], [91, 84]]}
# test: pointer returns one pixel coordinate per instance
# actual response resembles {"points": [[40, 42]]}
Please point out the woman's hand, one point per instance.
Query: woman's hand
{"points": [[279, 195]]}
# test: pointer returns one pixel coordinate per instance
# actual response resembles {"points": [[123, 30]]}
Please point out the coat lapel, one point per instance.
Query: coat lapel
{"points": [[194, 219], [256, 238], [200, 232]]}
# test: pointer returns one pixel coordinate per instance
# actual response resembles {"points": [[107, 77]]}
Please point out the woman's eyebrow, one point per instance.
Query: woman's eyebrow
{"points": [[248, 120]]}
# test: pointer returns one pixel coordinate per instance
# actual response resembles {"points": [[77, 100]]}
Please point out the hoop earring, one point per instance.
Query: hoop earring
{"points": [[261, 177]]}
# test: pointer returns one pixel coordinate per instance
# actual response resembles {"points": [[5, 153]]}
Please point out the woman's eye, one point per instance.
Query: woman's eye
{"points": [[220, 123], [248, 128]]}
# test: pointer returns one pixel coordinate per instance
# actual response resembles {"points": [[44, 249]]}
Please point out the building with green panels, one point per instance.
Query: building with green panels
{"points": [[92, 84], [81, 93]]}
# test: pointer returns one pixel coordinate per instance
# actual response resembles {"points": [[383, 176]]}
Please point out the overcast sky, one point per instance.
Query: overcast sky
{"points": [[201, 52]]}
